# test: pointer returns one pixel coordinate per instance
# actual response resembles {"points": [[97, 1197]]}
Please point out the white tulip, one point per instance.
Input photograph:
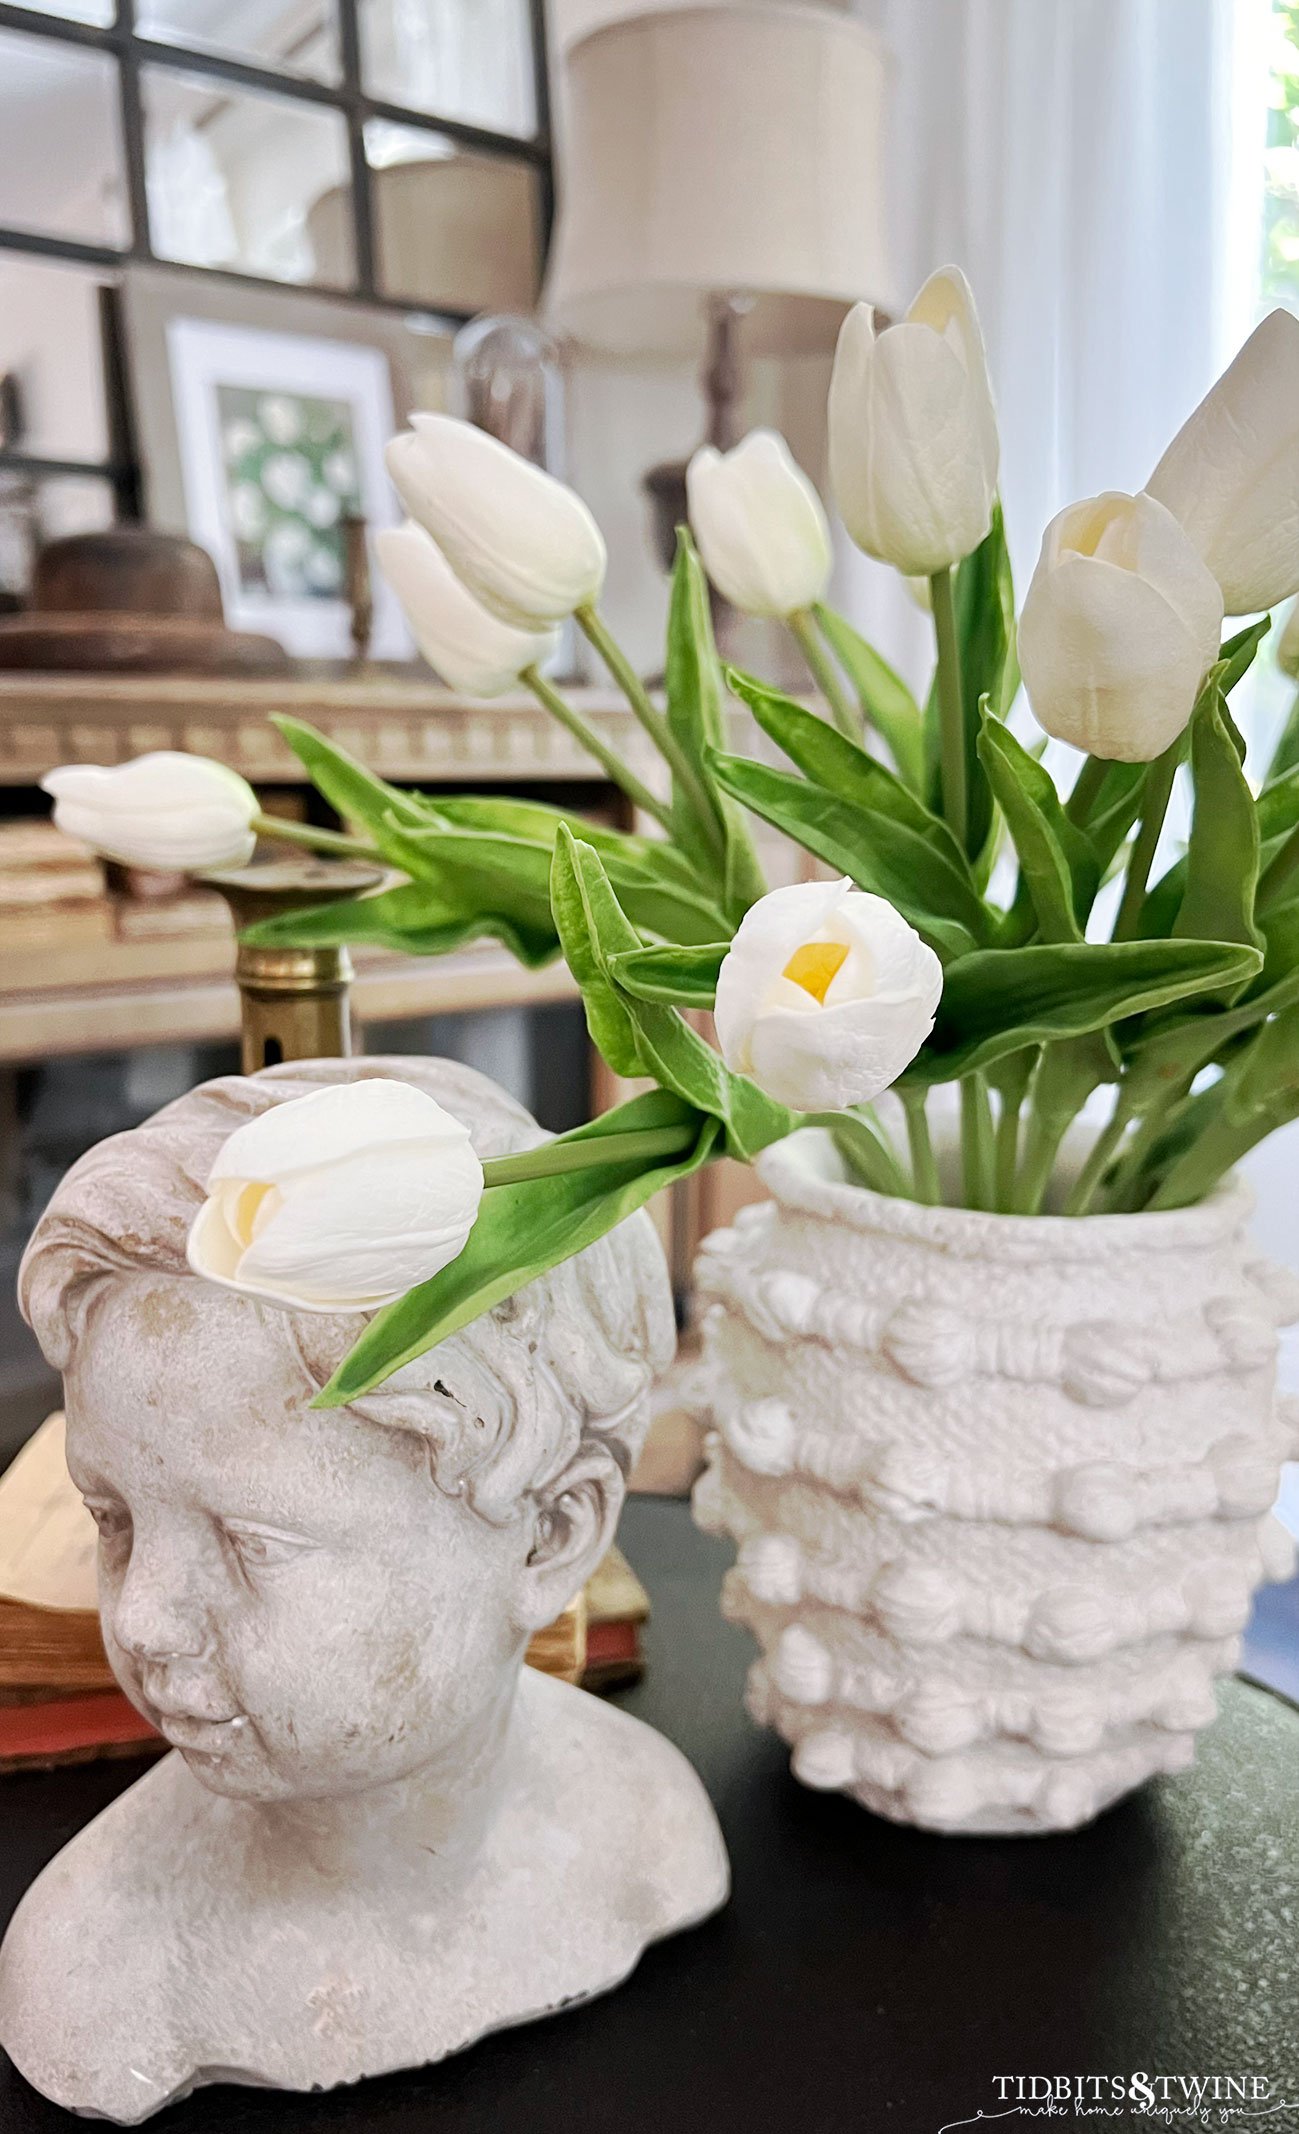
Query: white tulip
{"points": [[825, 995], [339, 1201], [166, 810], [1120, 621], [760, 526], [1231, 474], [913, 433], [469, 647], [523, 542]]}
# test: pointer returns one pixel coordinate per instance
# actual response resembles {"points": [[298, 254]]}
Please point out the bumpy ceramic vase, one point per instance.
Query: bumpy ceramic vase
{"points": [[1000, 1485]]}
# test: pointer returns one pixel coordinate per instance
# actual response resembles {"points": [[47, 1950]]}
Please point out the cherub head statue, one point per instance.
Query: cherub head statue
{"points": [[310, 1602]]}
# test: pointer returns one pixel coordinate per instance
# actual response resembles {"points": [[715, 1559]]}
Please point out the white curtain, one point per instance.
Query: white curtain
{"points": [[1095, 166]]}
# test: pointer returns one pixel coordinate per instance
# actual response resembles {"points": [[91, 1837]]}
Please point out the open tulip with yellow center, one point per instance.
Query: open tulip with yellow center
{"points": [[1120, 622], [523, 542], [1231, 474], [825, 995], [913, 432], [339, 1201], [760, 526]]}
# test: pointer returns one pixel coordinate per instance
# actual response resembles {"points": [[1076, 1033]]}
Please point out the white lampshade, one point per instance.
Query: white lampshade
{"points": [[717, 150]]}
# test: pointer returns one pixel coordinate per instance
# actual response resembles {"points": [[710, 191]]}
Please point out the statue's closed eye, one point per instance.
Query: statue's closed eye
{"points": [[112, 1519], [261, 1548]]}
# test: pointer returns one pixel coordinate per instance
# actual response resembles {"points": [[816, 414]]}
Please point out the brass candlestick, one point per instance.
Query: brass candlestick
{"points": [[294, 1002]]}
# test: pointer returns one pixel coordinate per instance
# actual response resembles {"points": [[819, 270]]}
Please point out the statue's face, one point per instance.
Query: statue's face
{"points": [[284, 1593]]}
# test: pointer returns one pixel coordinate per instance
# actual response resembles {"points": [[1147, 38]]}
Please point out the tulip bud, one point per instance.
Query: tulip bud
{"points": [[825, 995], [1120, 622], [339, 1201], [166, 810], [913, 435], [1231, 474], [760, 526], [469, 647], [521, 541]]}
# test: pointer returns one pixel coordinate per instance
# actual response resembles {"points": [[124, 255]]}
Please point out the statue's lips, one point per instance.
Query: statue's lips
{"points": [[188, 1730]]}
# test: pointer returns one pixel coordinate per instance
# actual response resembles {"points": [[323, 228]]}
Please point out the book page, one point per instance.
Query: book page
{"points": [[48, 1539]]}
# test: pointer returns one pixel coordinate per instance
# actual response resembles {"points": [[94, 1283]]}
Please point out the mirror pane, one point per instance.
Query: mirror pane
{"points": [[457, 59], [35, 509], [235, 176], [454, 228], [52, 401], [100, 14], [61, 171], [286, 36]]}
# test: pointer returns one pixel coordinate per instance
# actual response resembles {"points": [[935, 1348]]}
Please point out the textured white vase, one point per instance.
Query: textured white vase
{"points": [[1000, 1485]]}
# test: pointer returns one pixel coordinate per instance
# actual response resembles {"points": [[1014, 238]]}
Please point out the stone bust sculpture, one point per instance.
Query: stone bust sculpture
{"points": [[379, 1836]]}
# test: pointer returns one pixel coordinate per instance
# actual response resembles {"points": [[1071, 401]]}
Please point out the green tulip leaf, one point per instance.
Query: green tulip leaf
{"points": [[683, 977], [1222, 856], [596, 933], [1236, 656], [877, 851], [984, 599], [696, 715], [355, 792], [522, 1231], [887, 704], [829, 759], [998, 1000], [1058, 860], [413, 918], [1257, 1094], [1285, 756], [592, 928]]}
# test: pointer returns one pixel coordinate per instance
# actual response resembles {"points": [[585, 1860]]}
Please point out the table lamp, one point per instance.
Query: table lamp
{"points": [[722, 187]]}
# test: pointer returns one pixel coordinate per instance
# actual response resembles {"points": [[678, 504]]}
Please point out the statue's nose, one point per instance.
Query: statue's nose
{"points": [[158, 1613]]}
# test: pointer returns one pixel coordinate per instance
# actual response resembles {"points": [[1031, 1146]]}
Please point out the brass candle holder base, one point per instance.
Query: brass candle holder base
{"points": [[294, 1001]]}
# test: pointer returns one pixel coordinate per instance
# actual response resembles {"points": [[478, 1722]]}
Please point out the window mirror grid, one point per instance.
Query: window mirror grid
{"points": [[329, 57]]}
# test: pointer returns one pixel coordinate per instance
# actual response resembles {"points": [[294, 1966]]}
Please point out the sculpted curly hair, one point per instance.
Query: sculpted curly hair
{"points": [[503, 1407]]}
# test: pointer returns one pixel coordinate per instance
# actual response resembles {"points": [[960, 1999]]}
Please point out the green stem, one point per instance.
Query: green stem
{"points": [[951, 710], [556, 1156], [1006, 1155], [1084, 1188], [620, 772], [924, 1167], [1086, 789], [846, 716], [315, 839], [1046, 1130], [976, 1142], [1154, 806], [656, 726]]}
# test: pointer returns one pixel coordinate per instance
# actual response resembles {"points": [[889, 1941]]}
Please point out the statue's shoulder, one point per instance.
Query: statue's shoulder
{"points": [[89, 1960], [643, 1815]]}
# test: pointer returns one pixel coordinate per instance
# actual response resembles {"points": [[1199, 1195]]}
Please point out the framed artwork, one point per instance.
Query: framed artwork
{"points": [[257, 438]]}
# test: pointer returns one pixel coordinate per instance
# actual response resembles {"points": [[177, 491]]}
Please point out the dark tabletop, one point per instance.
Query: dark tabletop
{"points": [[864, 1979]]}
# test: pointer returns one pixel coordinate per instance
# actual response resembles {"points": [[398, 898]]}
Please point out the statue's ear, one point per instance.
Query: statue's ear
{"points": [[572, 1531]]}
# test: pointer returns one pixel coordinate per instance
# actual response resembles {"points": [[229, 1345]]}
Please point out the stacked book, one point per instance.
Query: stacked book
{"points": [[52, 890], [59, 1701]]}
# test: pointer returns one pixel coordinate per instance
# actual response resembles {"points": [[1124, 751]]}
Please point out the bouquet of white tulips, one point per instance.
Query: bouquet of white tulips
{"points": [[1178, 1025]]}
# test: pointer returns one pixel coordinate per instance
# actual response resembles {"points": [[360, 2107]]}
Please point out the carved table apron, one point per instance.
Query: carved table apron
{"points": [[864, 1977]]}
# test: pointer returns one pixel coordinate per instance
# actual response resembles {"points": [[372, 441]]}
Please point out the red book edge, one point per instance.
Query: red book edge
{"points": [[64, 1726]]}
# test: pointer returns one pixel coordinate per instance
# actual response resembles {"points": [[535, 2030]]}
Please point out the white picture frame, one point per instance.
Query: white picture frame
{"points": [[211, 360]]}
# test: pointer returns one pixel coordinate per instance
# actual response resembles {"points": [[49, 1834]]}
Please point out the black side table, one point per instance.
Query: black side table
{"points": [[864, 1979]]}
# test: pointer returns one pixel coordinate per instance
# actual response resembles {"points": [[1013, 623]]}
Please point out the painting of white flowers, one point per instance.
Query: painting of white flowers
{"points": [[290, 471], [281, 438]]}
